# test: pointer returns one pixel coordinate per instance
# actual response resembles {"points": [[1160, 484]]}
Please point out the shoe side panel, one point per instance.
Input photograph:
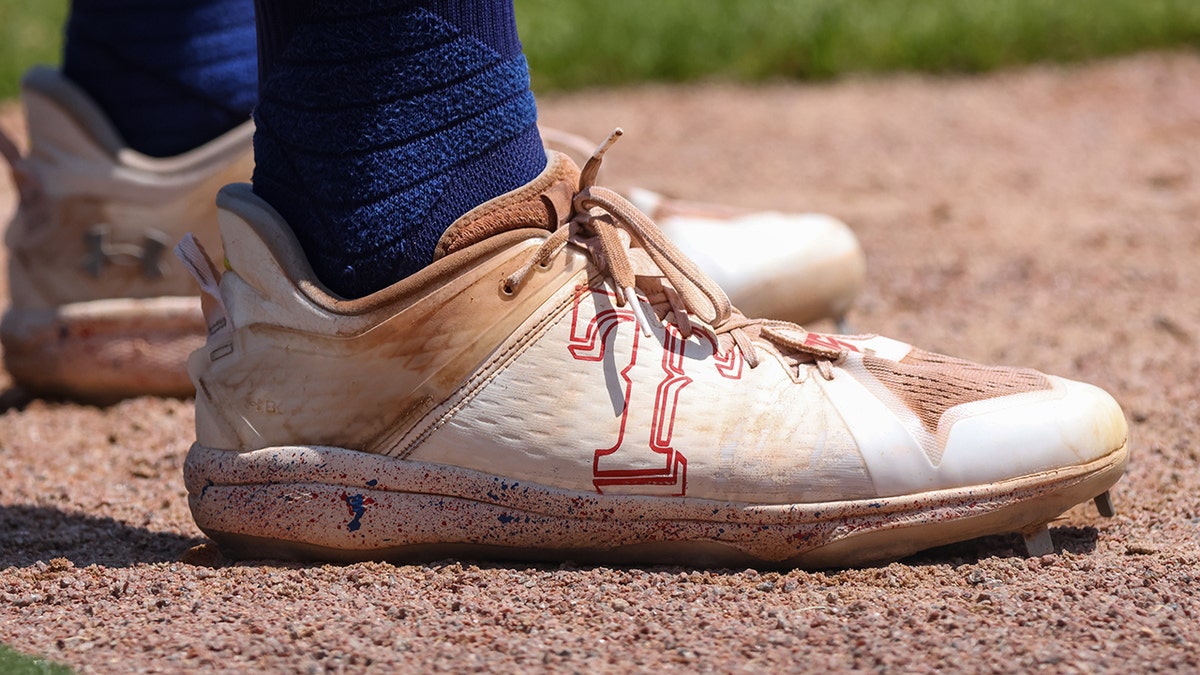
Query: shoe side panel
{"points": [[294, 372], [592, 404]]}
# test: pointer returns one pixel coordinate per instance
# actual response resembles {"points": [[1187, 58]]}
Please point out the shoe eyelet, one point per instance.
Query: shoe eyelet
{"points": [[506, 289], [543, 266]]}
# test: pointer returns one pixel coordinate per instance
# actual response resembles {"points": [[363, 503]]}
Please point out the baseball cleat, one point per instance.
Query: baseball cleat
{"points": [[100, 309], [562, 382], [800, 267]]}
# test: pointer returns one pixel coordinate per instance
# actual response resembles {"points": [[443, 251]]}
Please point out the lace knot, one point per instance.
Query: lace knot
{"points": [[625, 244]]}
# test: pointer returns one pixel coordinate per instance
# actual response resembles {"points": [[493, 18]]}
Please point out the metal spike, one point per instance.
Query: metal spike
{"points": [[1038, 543], [1104, 504]]}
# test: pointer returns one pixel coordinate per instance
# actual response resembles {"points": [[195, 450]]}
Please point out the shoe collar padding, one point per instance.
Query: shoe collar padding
{"points": [[266, 254], [544, 202]]}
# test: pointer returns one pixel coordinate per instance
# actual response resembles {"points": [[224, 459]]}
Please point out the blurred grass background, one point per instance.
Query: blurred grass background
{"points": [[606, 42], [14, 663], [579, 43], [30, 32]]}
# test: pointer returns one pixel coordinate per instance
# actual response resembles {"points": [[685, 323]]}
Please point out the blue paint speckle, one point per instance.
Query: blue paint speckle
{"points": [[505, 518], [372, 483], [357, 504]]}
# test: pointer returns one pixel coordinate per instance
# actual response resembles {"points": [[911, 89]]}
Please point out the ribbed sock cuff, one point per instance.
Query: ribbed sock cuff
{"points": [[378, 127]]}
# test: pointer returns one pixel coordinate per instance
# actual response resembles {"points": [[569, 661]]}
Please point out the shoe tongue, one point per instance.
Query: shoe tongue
{"points": [[544, 202]]}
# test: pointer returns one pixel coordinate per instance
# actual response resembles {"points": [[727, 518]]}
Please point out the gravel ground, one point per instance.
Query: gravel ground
{"points": [[1045, 217]]}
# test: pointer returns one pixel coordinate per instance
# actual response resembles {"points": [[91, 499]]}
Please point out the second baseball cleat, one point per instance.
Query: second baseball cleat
{"points": [[800, 267], [100, 309], [813, 267], [563, 383]]}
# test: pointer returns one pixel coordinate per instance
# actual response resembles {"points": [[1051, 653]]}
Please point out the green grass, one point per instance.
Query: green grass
{"points": [[30, 32], [580, 43], [16, 663], [603, 42]]}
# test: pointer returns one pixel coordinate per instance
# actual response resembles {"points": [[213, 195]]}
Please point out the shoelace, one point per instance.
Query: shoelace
{"points": [[607, 225]]}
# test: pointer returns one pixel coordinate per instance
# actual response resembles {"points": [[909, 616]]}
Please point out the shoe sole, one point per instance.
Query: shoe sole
{"points": [[266, 504], [104, 350]]}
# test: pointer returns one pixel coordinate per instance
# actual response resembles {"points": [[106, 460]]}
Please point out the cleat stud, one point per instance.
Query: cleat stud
{"points": [[1039, 543], [1104, 504]]}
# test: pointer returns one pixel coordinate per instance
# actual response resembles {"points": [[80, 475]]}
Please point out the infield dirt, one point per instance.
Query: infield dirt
{"points": [[1048, 217]]}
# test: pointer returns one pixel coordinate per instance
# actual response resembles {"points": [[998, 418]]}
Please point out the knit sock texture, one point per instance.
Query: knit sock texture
{"points": [[381, 122], [171, 76]]}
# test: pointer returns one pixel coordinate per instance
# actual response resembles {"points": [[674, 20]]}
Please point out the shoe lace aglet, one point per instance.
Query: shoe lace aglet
{"points": [[638, 313], [591, 168]]}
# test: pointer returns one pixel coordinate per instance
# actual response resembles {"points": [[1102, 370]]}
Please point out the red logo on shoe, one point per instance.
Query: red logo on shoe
{"points": [[589, 342], [828, 342]]}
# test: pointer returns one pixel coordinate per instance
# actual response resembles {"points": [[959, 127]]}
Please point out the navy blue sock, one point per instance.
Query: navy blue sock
{"points": [[171, 75], [380, 122]]}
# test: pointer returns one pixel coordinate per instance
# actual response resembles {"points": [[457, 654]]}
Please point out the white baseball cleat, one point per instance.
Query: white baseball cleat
{"points": [[563, 383], [799, 267], [100, 309]]}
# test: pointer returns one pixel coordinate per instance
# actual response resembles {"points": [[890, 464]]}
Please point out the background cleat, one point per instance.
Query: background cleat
{"points": [[101, 311], [812, 269], [100, 308]]}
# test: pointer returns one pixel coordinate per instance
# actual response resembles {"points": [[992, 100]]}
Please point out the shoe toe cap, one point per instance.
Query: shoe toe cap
{"points": [[1073, 425]]}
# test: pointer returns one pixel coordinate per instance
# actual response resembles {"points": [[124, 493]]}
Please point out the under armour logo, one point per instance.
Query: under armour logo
{"points": [[102, 252]]}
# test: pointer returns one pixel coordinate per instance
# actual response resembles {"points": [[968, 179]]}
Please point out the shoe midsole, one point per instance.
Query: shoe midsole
{"points": [[110, 315], [120, 346], [346, 500]]}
